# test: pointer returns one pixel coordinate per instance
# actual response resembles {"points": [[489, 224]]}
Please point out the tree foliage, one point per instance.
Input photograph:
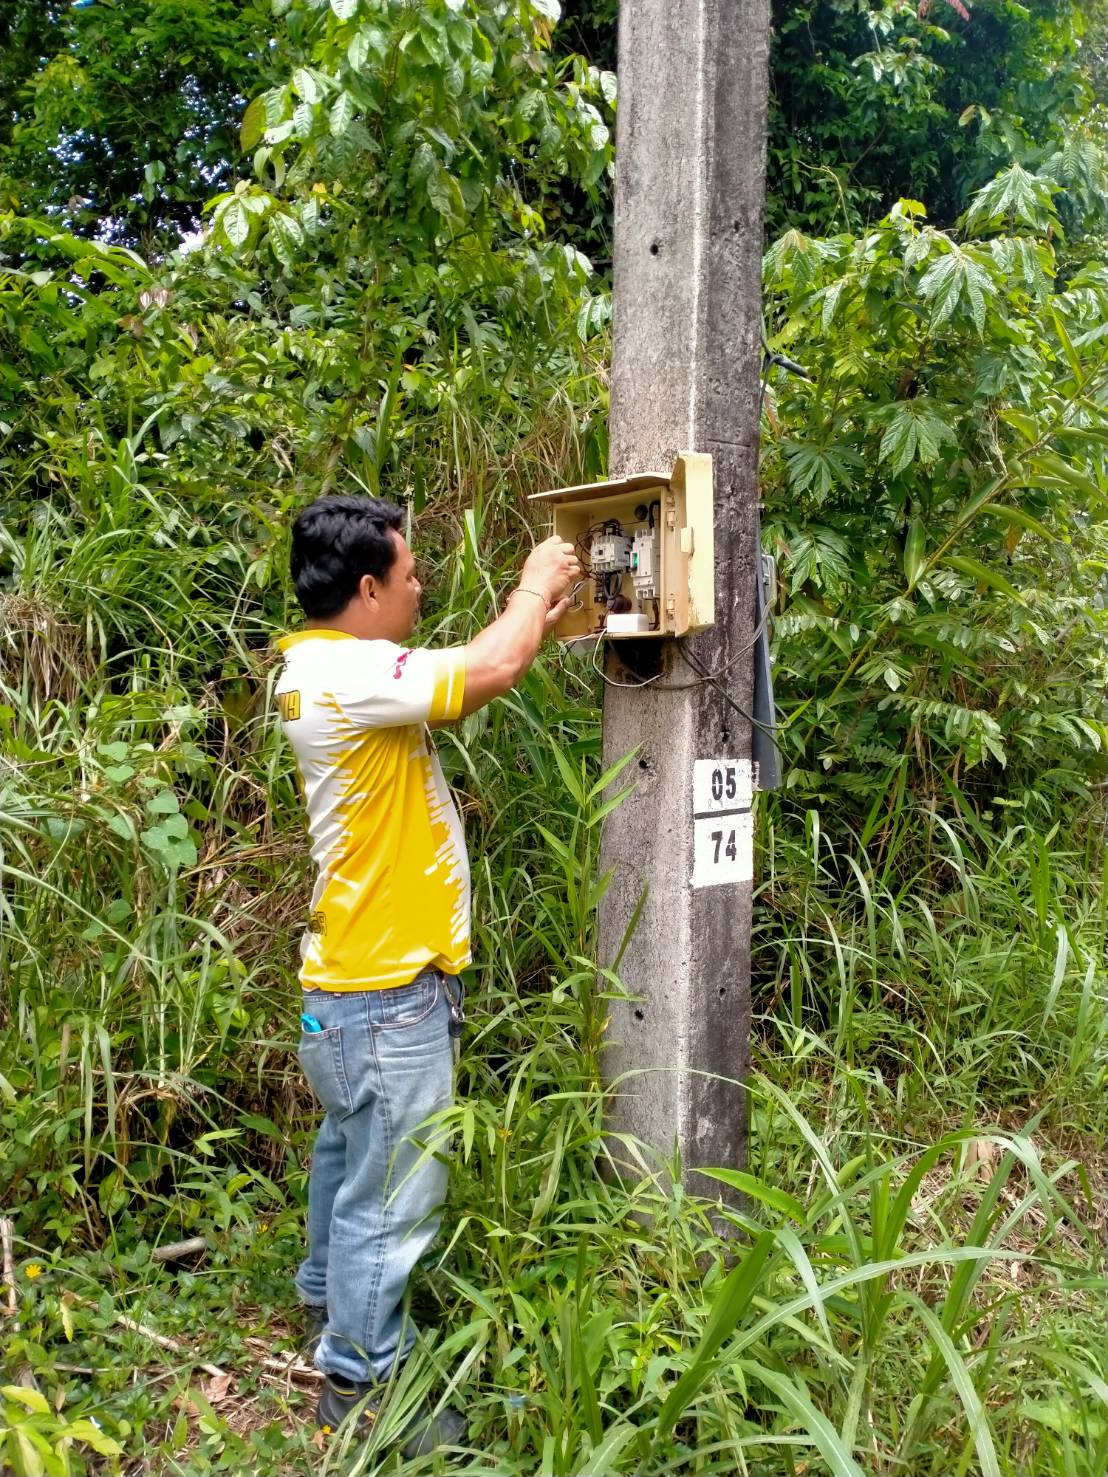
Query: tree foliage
{"points": [[877, 102], [872, 101], [939, 499], [121, 116]]}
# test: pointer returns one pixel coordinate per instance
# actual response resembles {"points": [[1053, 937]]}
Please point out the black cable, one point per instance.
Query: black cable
{"points": [[706, 676], [789, 365], [703, 676]]}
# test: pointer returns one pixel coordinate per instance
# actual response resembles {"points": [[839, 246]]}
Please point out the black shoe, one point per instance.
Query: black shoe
{"points": [[425, 1431], [315, 1321]]}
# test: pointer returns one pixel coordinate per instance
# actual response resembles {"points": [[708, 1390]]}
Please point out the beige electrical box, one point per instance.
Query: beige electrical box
{"points": [[647, 549]]}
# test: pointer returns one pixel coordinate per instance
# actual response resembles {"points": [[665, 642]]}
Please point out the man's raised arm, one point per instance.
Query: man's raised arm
{"points": [[498, 657]]}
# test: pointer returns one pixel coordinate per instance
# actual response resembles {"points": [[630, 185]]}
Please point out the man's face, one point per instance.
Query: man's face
{"points": [[397, 595]]}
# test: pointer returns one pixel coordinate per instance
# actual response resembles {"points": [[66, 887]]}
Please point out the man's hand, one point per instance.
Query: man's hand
{"points": [[554, 615], [551, 568]]}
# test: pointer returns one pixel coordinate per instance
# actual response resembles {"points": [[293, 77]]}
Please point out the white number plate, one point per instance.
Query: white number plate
{"points": [[723, 827]]}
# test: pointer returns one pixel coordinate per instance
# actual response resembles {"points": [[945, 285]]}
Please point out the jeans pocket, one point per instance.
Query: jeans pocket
{"points": [[320, 1056], [407, 1005]]}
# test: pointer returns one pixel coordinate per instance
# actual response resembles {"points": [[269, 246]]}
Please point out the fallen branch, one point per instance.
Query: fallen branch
{"points": [[291, 1367], [7, 1229], [163, 1341], [175, 1250]]}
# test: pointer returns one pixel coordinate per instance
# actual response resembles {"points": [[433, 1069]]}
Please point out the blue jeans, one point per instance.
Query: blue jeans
{"points": [[382, 1064]]}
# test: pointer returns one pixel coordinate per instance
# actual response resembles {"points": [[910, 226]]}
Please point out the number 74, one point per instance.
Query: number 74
{"points": [[730, 851]]}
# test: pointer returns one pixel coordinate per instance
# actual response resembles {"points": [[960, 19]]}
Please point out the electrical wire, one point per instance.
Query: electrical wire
{"points": [[571, 595], [706, 676], [703, 677], [613, 681], [710, 677], [579, 543]]}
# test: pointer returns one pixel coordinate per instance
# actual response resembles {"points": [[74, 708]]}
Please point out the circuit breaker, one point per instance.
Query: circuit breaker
{"points": [[647, 549], [644, 563]]}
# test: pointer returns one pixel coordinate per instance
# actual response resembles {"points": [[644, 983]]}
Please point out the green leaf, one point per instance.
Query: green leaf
{"points": [[609, 805], [122, 826], [571, 774], [771, 1195], [253, 125], [983, 575], [1017, 518], [610, 774], [276, 105], [344, 9], [341, 115], [914, 433], [915, 552], [32, 1399], [265, 1126], [963, 1383], [820, 468], [285, 237], [557, 846], [1068, 348], [85, 1431], [731, 1302], [303, 120], [1056, 467], [1020, 420], [1014, 196], [794, 1397], [306, 86], [235, 222], [444, 194], [170, 842], [358, 51], [952, 279], [165, 802], [31, 1446]]}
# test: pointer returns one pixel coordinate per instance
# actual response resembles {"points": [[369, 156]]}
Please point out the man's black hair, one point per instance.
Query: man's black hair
{"points": [[335, 541]]}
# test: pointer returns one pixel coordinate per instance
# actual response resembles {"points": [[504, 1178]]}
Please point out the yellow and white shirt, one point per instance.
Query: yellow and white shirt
{"points": [[392, 894]]}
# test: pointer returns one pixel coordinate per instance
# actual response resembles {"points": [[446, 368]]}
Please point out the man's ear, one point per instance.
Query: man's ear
{"points": [[367, 589]]}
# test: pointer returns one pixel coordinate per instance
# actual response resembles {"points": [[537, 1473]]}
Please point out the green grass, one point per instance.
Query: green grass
{"points": [[916, 1281], [915, 1284]]}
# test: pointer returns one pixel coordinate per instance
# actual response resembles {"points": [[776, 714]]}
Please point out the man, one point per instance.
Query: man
{"points": [[389, 929]]}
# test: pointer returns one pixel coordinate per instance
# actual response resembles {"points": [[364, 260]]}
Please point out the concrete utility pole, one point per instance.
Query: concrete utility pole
{"points": [[690, 169]]}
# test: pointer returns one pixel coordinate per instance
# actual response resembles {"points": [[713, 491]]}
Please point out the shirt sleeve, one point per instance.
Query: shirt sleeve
{"points": [[389, 686]]}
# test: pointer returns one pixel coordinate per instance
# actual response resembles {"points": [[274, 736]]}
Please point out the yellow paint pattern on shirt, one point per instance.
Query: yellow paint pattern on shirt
{"points": [[383, 892]]}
